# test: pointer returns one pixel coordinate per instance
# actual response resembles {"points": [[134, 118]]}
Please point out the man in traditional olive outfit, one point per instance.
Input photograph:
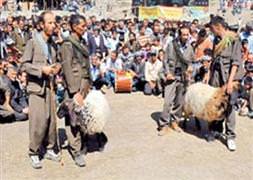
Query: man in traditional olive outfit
{"points": [[226, 68]]}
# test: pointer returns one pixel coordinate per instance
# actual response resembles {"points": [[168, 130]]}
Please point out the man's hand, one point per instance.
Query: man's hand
{"points": [[25, 110], [152, 84], [229, 87], [170, 77], [47, 70], [78, 98], [52, 69], [189, 69], [133, 74], [56, 68]]}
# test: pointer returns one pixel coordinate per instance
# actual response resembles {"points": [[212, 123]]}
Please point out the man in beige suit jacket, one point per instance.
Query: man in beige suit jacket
{"points": [[39, 61]]}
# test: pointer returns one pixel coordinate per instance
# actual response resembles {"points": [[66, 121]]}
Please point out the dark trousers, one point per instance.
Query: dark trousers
{"points": [[148, 90], [20, 116], [99, 83], [138, 84], [251, 99], [173, 103]]}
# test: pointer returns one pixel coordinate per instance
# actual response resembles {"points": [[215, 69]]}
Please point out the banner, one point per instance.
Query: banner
{"points": [[173, 13], [196, 12], [160, 12], [149, 12]]}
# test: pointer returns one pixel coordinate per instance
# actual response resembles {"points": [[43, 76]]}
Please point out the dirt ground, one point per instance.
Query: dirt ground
{"points": [[134, 150]]}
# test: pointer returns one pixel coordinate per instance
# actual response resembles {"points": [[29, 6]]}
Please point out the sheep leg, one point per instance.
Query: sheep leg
{"points": [[197, 123], [186, 118], [100, 142]]}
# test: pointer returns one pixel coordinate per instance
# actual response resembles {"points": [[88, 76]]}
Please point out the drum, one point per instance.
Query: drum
{"points": [[123, 82]]}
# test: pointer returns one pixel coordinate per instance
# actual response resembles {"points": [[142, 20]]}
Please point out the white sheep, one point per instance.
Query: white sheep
{"points": [[206, 102], [95, 112], [91, 116]]}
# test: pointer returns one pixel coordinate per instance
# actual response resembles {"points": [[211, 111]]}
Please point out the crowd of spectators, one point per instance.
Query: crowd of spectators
{"points": [[65, 5], [137, 47], [236, 5]]}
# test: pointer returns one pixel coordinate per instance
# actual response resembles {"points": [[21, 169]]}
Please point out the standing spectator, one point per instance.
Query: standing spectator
{"points": [[203, 43], [19, 36], [248, 34]]}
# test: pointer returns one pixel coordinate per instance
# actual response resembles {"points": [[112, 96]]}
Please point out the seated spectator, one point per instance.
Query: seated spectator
{"points": [[6, 111], [161, 54], [246, 96], [137, 69], [152, 69], [96, 41], [126, 57], [18, 96], [143, 39], [113, 64], [156, 44], [112, 41], [132, 43], [97, 73]]}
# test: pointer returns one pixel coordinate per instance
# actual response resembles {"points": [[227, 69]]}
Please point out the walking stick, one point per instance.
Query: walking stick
{"points": [[53, 113]]}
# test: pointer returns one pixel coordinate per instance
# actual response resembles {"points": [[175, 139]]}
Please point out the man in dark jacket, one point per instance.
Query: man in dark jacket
{"points": [[76, 70], [18, 99], [137, 68]]}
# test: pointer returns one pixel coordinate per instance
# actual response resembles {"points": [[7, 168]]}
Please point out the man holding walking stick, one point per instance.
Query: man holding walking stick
{"points": [[39, 61]]}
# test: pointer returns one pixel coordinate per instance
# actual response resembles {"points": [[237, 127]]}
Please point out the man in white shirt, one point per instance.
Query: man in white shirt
{"points": [[152, 69]]}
